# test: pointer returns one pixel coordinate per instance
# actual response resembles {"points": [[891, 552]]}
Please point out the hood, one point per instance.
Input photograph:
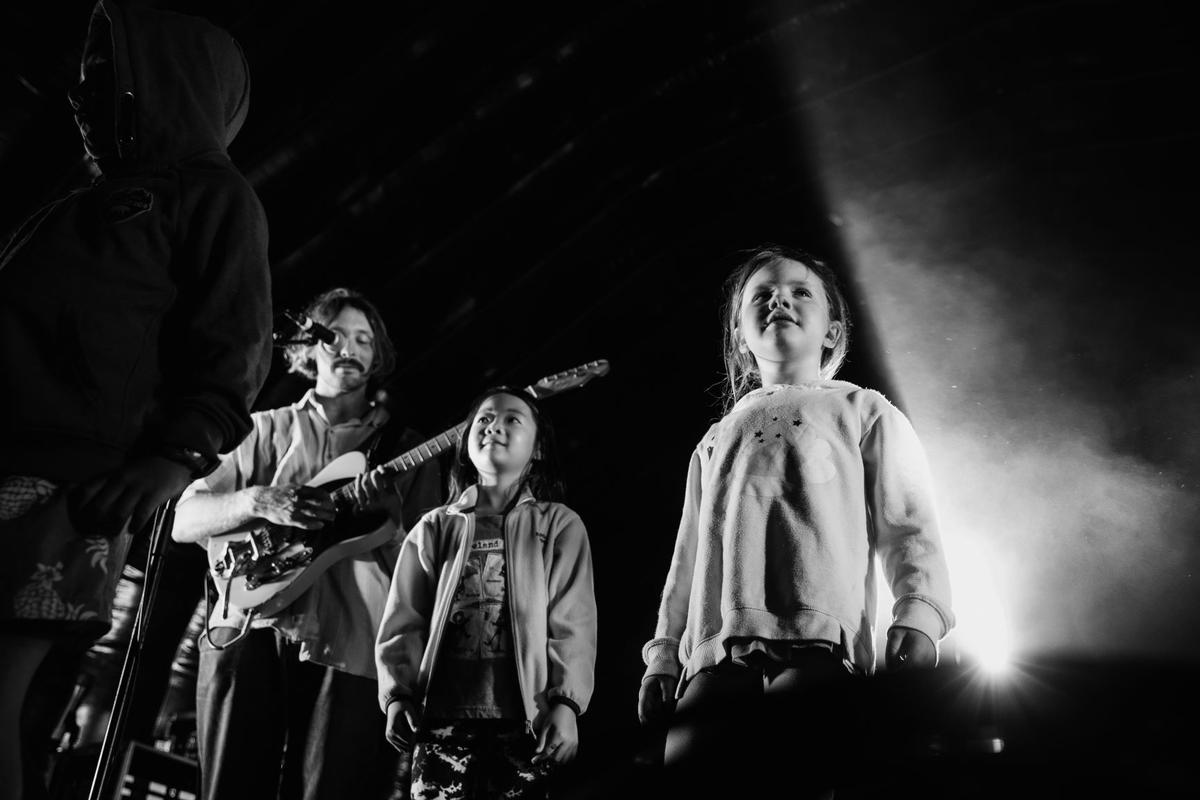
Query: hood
{"points": [[182, 84]]}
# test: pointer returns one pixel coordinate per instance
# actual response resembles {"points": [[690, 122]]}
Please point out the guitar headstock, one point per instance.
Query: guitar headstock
{"points": [[569, 379]]}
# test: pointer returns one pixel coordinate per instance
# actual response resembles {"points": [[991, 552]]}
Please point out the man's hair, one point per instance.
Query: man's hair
{"points": [[741, 371], [323, 308], [543, 478]]}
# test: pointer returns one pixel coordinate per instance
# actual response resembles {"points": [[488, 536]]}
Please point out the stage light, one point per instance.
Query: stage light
{"points": [[982, 633]]}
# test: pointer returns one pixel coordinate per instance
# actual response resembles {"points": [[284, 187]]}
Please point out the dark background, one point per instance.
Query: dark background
{"points": [[1007, 188]]}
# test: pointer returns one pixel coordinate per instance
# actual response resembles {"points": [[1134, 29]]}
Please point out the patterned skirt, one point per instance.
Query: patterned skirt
{"points": [[55, 582]]}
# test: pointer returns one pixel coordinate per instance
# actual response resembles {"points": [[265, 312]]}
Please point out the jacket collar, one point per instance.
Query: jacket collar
{"points": [[467, 500]]}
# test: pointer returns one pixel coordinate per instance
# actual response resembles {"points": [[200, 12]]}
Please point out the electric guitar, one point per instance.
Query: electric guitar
{"points": [[264, 570]]}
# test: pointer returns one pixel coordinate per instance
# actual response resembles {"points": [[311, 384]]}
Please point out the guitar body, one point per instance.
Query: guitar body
{"points": [[266, 569]]}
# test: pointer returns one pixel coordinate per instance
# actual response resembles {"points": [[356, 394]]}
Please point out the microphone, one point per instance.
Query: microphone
{"points": [[316, 331], [311, 331]]}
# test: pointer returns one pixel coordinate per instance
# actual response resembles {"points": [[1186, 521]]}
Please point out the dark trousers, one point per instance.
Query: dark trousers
{"points": [[766, 722], [271, 725]]}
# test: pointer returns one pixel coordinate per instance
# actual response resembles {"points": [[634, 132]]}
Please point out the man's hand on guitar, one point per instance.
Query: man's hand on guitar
{"points": [[376, 489], [292, 505], [131, 492]]}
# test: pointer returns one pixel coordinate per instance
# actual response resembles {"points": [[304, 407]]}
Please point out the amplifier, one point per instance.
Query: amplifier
{"points": [[150, 774]]}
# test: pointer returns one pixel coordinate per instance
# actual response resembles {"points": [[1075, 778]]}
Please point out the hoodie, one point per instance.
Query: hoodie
{"points": [[135, 314]]}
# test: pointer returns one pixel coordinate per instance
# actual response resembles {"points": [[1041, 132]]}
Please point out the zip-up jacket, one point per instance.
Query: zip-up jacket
{"points": [[549, 593]]}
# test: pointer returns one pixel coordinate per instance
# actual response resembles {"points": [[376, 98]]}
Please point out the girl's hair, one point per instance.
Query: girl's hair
{"points": [[542, 477], [323, 308], [741, 371]]}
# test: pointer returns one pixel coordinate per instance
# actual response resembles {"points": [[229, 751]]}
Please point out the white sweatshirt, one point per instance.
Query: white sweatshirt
{"points": [[789, 497]]}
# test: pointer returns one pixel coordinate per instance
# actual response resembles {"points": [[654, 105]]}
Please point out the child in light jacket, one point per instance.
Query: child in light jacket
{"points": [[487, 647]]}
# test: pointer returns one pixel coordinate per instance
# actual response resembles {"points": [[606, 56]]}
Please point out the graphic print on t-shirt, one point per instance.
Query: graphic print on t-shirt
{"points": [[478, 626], [476, 676]]}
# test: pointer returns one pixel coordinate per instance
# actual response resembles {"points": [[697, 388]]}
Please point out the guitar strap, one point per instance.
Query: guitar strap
{"points": [[208, 598], [384, 444]]}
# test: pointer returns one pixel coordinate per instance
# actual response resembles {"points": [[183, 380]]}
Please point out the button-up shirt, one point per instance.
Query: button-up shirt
{"points": [[335, 621]]}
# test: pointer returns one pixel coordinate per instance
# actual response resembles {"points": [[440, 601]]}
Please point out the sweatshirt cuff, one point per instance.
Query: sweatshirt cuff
{"points": [[920, 613], [662, 656], [199, 465], [563, 700], [191, 429], [393, 696]]}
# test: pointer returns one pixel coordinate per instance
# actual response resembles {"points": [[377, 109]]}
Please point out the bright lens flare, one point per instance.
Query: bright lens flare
{"points": [[982, 631], [982, 634]]}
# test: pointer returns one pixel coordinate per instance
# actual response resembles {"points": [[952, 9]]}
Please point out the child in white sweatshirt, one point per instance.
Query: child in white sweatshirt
{"points": [[789, 499]]}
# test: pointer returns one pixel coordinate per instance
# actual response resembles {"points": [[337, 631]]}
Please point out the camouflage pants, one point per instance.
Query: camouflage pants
{"points": [[460, 759]]}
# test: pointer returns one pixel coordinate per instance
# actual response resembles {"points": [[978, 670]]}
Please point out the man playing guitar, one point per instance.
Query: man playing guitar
{"points": [[298, 686]]}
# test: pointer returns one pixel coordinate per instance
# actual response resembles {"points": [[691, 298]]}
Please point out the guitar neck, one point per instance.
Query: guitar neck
{"points": [[426, 450], [546, 387], [410, 459], [417, 456]]}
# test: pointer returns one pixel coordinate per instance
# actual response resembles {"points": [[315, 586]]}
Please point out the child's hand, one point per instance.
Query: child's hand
{"points": [[656, 697], [403, 719], [909, 648], [558, 739]]}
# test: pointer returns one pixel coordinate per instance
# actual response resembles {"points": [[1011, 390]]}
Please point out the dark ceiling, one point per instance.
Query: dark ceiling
{"points": [[523, 187], [554, 179]]}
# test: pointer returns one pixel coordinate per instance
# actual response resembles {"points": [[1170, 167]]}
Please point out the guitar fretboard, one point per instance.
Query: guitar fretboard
{"points": [[426, 450], [410, 459], [546, 387]]}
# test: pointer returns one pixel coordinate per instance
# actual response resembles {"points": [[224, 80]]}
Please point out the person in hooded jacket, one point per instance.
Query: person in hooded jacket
{"points": [[134, 331]]}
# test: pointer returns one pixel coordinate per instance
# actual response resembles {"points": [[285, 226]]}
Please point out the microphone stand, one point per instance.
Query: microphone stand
{"points": [[66, 731], [280, 340], [103, 780], [164, 517]]}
